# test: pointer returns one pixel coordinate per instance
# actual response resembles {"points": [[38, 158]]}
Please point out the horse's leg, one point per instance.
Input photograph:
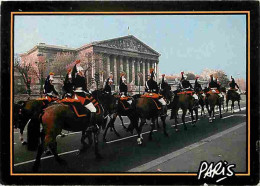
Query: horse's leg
{"points": [[213, 110], [232, 106], [163, 118], [98, 156], [220, 114], [176, 120], [122, 121], [84, 144], [152, 128], [53, 148], [196, 113], [40, 150], [184, 111], [157, 123], [139, 131], [238, 102], [227, 105], [210, 112], [192, 117]]}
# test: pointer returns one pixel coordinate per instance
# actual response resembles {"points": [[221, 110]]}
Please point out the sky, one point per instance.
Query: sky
{"points": [[185, 42]]}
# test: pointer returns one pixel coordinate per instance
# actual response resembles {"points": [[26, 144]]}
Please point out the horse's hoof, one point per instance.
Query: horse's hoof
{"points": [[139, 141], [47, 153], [166, 134], [220, 116], [24, 143], [176, 130], [214, 117]]}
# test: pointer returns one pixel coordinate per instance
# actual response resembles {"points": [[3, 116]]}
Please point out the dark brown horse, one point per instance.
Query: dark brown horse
{"points": [[186, 102], [60, 116], [148, 109], [124, 108], [27, 112], [233, 96]]}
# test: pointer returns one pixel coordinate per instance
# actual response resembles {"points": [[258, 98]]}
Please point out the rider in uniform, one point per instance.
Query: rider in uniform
{"points": [[233, 85], [81, 91], [49, 87], [184, 84], [197, 86], [108, 84], [214, 85], [122, 85], [68, 86], [152, 87]]}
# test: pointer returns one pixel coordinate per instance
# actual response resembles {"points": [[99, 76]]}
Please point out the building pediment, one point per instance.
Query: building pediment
{"points": [[128, 43]]}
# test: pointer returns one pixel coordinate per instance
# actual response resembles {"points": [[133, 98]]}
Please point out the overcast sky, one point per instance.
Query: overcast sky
{"points": [[185, 42]]}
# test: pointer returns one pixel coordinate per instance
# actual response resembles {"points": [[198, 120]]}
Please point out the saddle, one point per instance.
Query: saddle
{"points": [[48, 99], [75, 106], [152, 95], [188, 92], [155, 97], [213, 91]]}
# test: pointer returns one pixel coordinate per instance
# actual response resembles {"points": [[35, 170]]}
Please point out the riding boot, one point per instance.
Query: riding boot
{"points": [[164, 110]]}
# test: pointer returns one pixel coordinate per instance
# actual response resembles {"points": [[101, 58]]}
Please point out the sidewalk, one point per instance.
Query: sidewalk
{"points": [[229, 145]]}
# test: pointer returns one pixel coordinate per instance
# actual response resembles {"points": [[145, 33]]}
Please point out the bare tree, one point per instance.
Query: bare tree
{"points": [[24, 70], [61, 61]]}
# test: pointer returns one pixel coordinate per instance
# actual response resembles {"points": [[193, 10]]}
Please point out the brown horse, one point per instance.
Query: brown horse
{"points": [[213, 99], [185, 102], [60, 116], [148, 108], [233, 96]]}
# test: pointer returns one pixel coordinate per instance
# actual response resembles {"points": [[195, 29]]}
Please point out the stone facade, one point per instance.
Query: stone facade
{"points": [[126, 54]]}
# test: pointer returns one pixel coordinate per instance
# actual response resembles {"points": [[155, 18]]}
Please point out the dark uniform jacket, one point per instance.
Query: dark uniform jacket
{"points": [[151, 86], [79, 81], [186, 84], [68, 86], [233, 84], [123, 87], [213, 84], [197, 86], [48, 87], [107, 87]]}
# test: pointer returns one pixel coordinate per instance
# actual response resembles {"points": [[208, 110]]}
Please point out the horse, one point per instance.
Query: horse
{"points": [[61, 116], [124, 108], [213, 99], [202, 103], [26, 113], [185, 101], [148, 108], [233, 96]]}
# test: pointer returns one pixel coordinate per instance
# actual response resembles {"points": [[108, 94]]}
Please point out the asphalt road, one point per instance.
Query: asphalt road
{"points": [[123, 154]]}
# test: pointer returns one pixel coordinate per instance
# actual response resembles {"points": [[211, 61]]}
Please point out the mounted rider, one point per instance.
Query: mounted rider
{"points": [[49, 89], [185, 84], [68, 86], [152, 87], [108, 84], [197, 85], [214, 86], [80, 90], [164, 85], [233, 85]]}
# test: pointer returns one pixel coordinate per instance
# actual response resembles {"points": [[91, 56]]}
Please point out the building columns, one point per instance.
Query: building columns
{"points": [[115, 70], [133, 71], [127, 71]]}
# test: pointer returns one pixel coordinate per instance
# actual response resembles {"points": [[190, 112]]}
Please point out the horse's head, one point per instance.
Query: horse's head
{"points": [[107, 100], [18, 113], [223, 89]]}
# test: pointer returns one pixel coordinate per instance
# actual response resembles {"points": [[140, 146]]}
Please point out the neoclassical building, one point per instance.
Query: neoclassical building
{"points": [[127, 54]]}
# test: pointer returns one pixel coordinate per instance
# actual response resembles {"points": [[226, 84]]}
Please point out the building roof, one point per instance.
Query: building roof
{"points": [[95, 43]]}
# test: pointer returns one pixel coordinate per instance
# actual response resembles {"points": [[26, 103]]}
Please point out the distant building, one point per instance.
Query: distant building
{"points": [[127, 54]]}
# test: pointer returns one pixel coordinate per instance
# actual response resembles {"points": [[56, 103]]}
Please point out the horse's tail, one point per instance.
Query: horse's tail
{"points": [[33, 133]]}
